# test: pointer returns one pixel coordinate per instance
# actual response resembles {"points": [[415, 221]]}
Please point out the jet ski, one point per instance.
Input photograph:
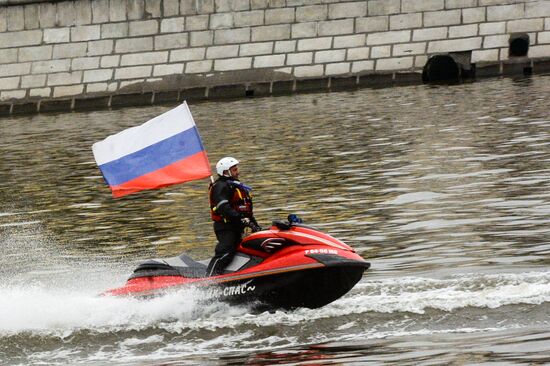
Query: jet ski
{"points": [[287, 266]]}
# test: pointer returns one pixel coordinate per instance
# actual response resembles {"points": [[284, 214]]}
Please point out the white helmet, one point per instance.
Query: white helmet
{"points": [[225, 164]]}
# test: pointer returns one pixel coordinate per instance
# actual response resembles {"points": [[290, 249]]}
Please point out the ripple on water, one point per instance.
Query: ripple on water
{"points": [[443, 189]]}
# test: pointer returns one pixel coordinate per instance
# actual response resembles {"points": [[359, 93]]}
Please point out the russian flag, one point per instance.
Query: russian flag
{"points": [[163, 151]]}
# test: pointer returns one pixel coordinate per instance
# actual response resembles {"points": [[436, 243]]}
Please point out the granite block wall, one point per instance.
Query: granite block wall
{"points": [[85, 49]]}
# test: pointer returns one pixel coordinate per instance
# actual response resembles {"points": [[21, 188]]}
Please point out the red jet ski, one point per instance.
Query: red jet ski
{"points": [[289, 265]]}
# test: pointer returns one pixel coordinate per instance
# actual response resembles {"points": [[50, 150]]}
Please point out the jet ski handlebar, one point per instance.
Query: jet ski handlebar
{"points": [[282, 225], [292, 220]]}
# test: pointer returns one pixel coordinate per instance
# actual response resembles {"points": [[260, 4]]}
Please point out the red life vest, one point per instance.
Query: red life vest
{"points": [[240, 201]]}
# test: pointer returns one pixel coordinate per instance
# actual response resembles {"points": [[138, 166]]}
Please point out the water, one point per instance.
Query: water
{"points": [[444, 189]]}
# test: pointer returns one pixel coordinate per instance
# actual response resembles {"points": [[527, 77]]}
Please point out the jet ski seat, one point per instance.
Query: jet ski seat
{"points": [[181, 265]]}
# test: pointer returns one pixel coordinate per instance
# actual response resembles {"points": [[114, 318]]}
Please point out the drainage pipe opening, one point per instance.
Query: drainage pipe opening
{"points": [[441, 68], [519, 45]]}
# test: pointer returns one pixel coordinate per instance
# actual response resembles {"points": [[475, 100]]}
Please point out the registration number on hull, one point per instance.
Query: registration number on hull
{"points": [[321, 251]]}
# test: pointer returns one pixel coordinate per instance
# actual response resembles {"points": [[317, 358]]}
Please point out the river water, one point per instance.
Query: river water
{"points": [[444, 189]]}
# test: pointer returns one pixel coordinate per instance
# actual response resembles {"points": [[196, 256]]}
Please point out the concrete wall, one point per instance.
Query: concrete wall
{"points": [[94, 53]]}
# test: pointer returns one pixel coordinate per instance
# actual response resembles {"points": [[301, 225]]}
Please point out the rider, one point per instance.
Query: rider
{"points": [[231, 210]]}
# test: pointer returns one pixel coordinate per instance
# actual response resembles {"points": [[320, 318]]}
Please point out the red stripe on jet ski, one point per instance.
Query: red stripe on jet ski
{"points": [[267, 272]]}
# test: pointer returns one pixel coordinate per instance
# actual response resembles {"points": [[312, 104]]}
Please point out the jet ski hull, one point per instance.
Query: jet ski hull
{"points": [[272, 269], [312, 288]]}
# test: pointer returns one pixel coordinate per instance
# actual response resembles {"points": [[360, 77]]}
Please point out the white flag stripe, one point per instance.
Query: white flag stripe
{"points": [[137, 138]]}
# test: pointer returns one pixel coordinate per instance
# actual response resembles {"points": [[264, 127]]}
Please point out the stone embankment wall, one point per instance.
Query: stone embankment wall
{"points": [[98, 53]]}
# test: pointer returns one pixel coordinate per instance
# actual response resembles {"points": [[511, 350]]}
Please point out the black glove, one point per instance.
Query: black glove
{"points": [[246, 222], [255, 227]]}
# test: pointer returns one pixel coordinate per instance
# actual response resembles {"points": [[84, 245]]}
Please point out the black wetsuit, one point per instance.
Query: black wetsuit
{"points": [[228, 228]]}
